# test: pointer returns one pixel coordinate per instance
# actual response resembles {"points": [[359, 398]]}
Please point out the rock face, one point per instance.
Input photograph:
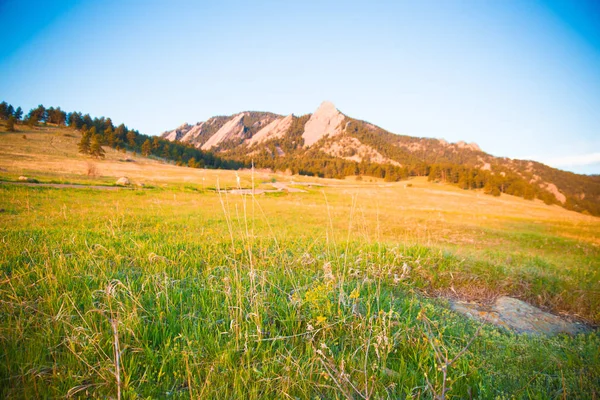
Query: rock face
{"points": [[193, 133], [275, 129], [234, 128], [187, 133], [551, 187], [178, 133], [472, 146], [325, 121], [516, 315]]}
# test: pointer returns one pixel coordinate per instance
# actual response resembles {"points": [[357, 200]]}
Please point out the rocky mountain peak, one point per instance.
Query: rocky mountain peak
{"points": [[326, 107], [326, 120], [358, 147]]}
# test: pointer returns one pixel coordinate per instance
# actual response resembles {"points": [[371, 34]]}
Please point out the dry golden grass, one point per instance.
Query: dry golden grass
{"points": [[420, 207]]}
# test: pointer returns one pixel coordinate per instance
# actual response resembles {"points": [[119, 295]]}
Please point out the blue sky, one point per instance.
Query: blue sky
{"points": [[520, 78]]}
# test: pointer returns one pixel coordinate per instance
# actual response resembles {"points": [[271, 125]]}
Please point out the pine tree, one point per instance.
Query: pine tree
{"points": [[10, 125], [87, 120], [491, 187], [4, 110], [96, 149], [36, 115], [434, 173], [165, 153], [146, 147], [155, 143], [131, 135], [109, 136], [84, 143], [75, 120], [18, 113]]}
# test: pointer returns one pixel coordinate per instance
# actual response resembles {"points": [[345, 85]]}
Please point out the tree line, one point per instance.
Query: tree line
{"points": [[97, 133]]}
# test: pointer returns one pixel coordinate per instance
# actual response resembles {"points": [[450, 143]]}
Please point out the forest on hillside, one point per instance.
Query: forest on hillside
{"points": [[100, 131]]}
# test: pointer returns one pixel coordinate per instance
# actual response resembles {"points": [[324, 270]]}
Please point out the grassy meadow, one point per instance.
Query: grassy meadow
{"points": [[177, 290]]}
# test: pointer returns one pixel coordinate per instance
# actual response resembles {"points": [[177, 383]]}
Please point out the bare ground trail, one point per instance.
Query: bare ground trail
{"points": [[64, 185]]}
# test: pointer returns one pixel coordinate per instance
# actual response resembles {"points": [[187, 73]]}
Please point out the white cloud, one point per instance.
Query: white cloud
{"points": [[582, 159]]}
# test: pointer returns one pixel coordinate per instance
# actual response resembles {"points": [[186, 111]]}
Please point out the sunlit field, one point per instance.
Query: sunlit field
{"points": [[176, 289]]}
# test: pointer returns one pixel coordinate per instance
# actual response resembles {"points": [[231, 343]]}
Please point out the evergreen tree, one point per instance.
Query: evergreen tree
{"points": [[18, 113], [463, 181], [56, 116], [60, 117], [528, 193], [491, 187], [109, 136], [120, 136], [87, 120], [10, 125], [84, 143], [155, 143], [75, 120], [4, 110], [131, 135], [96, 149], [146, 147], [434, 173], [37, 115], [165, 153]]}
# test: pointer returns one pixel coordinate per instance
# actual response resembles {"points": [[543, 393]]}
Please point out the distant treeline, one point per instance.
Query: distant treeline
{"points": [[98, 132], [323, 165], [463, 167], [420, 157]]}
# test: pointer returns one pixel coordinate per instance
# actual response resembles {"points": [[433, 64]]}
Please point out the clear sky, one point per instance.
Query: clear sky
{"points": [[520, 78]]}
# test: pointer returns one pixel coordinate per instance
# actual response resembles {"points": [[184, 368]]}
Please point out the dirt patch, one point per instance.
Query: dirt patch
{"points": [[279, 187], [249, 191], [63, 185], [284, 186]]}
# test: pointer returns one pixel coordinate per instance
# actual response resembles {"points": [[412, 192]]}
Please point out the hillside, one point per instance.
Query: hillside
{"points": [[330, 144], [49, 154], [208, 293]]}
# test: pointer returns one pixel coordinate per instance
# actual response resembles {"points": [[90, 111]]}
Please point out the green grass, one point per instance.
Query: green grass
{"points": [[288, 296]]}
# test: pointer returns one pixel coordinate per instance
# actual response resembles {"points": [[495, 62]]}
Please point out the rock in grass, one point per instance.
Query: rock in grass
{"points": [[518, 316], [23, 178], [123, 181]]}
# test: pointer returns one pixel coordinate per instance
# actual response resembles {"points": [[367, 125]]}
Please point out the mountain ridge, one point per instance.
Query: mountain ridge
{"points": [[332, 144]]}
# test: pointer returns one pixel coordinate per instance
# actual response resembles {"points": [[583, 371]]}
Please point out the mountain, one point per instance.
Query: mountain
{"points": [[218, 130], [330, 144]]}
